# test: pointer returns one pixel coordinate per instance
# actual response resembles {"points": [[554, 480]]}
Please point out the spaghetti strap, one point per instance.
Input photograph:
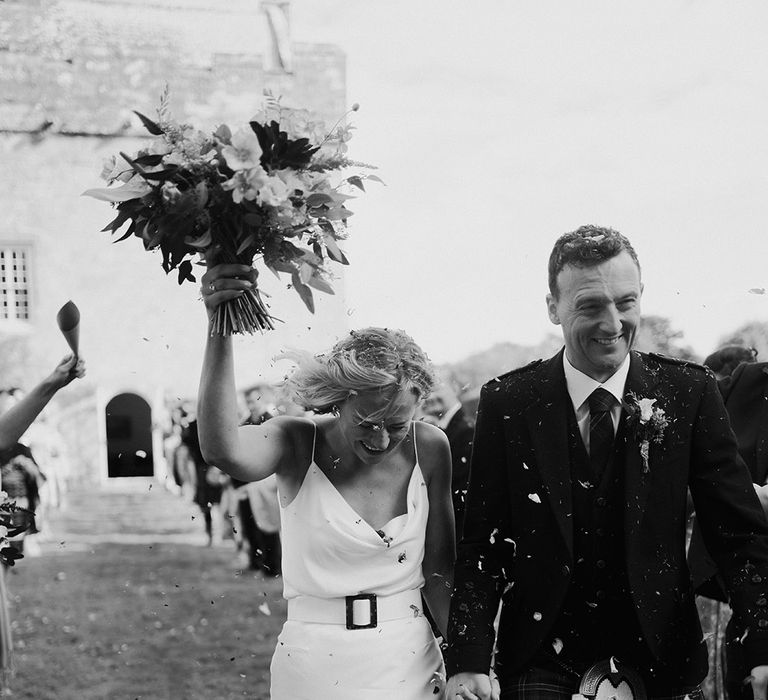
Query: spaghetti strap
{"points": [[415, 450], [314, 440]]}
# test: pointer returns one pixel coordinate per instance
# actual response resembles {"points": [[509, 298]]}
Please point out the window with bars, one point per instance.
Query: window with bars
{"points": [[14, 283]]}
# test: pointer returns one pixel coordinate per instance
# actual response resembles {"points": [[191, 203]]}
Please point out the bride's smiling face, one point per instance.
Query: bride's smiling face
{"points": [[375, 423]]}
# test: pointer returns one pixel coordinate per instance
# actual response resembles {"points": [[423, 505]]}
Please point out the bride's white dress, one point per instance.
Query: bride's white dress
{"points": [[330, 552]]}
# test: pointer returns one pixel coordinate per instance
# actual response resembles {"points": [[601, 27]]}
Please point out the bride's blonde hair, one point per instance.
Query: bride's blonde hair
{"points": [[369, 359]]}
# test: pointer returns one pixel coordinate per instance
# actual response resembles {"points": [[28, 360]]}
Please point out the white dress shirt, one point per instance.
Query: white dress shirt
{"points": [[580, 386]]}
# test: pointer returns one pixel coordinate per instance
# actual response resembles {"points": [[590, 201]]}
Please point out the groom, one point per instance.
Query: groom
{"points": [[576, 509]]}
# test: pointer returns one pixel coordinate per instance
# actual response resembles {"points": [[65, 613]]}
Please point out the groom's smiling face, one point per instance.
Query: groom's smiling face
{"points": [[599, 310]]}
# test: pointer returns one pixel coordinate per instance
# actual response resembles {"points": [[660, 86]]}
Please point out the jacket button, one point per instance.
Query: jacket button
{"points": [[601, 501], [757, 578], [600, 595], [600, 564], [761, 601], [762, 623]]}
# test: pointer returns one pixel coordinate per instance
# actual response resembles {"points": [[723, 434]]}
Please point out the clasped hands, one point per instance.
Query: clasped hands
{"points": [[472, 686]]}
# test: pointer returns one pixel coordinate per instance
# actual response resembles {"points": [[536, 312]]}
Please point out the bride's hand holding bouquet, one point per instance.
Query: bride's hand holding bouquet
{"points": [[224, 283]]}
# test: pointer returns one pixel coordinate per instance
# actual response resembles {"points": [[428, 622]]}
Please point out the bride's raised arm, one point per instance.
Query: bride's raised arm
{"points": [[249, 452]]}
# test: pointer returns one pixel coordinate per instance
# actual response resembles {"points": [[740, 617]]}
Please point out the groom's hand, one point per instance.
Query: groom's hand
{"points": [[759, 680], [473, 686]]}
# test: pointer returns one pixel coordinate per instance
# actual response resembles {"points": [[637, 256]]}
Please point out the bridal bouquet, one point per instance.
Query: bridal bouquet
{"points": [[263, 190]]}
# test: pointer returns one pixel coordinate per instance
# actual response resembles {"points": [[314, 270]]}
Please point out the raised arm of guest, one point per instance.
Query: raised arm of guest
{"points": [[15, 421]]}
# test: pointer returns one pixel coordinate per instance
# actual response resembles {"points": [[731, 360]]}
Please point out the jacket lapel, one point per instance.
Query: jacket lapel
{"points": [[637, 484], [547, 422]]}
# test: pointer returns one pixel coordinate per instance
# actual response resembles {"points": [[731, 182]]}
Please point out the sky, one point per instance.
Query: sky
{"points": [[499, 125]]}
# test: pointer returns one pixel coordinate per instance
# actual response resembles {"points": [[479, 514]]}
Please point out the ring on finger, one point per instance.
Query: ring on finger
{"points": [[211, 288]]}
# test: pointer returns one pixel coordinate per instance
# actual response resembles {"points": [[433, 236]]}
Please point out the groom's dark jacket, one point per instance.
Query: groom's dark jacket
{"points": [[518, 530]]}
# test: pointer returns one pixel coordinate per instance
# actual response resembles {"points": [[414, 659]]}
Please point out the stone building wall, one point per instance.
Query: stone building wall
{"points": [[71, 72]]}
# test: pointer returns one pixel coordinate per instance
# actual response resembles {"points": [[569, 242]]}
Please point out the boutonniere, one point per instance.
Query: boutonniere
{"points": [[646, 422]]}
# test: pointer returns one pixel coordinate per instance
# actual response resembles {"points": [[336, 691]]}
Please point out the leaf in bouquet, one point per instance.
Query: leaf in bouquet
{"points": [[340, 197], [303, 291], [289, 251], [201, 190], [320, 283], [279, 151], [334, 252], [122, 216], [133, 189], [203, 241], [317, 249], [174, 251], [246, 243], [278, 265], [309, 257], [317, 199], [253, 219], [185, 272], [337, 214], [356, 181], [305, 272], [128, 233], [375, 178], [161, 175], [149, 125], [223, 133], [150, 160]]}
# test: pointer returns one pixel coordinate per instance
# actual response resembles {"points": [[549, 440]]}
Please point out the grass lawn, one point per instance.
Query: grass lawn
{"points": [[114, 621]]}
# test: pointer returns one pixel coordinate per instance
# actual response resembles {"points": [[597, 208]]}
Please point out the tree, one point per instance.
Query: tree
{"points": [[14, 360], [752, 335], [657, 335], [472, 372]]}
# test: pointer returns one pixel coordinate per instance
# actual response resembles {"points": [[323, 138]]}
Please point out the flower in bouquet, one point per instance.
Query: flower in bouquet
{"points": [[273, 190], [13, 521]]}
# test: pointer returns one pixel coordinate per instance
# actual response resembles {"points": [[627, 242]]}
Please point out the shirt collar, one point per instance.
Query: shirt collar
{"points": [[580, 386], [448, 415]]}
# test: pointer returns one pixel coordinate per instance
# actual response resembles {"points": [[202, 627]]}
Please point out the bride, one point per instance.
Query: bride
{"points": [[365, 508]]}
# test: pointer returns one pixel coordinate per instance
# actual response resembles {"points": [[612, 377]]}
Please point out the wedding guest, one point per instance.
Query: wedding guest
{"points": [[445, 407], [366, 514], [744, 388], [576, 508], [264, 504], [49, 448], [13, 422], [260, 533], [725, 360], [21, 480], [209, 482]]}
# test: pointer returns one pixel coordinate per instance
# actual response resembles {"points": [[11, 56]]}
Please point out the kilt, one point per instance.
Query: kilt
{"points": [[545, 684]]}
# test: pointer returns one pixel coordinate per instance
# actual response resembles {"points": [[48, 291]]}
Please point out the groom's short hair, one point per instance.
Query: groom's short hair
{"points": [[587, 246]]}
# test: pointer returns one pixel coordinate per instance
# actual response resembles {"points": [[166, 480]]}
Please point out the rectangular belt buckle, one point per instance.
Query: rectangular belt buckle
{"points": [[350, 601]]}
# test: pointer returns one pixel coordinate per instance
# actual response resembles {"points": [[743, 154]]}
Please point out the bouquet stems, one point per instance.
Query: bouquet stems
{"points": [[245, 314]]}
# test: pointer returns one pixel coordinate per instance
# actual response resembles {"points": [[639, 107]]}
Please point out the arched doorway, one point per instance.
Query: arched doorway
{"points": [[129, 436]]}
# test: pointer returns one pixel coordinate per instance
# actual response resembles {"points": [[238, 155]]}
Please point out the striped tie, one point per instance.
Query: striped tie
{"points": [[600, 430]]}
